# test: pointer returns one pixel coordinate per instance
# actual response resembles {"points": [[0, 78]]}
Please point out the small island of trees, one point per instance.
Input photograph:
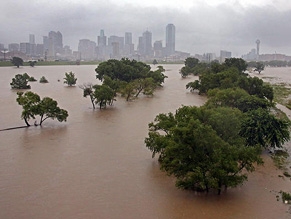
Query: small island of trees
{"points": [[129, 78]]}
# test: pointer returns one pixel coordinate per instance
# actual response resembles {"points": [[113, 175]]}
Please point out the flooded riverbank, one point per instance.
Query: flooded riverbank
{"points": [[96, 164]]}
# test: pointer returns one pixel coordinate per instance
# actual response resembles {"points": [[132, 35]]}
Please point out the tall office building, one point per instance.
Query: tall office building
{"points": [[32, 44], [102, 39], [87, 49], [128, 45], [55, 43], [145, 44], [170, 39], [116, 45], [158, 49], [224, 55], [31, 39]]}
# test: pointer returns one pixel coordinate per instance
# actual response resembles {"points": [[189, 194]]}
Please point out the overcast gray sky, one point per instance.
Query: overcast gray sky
{"points": [[201, 26]]}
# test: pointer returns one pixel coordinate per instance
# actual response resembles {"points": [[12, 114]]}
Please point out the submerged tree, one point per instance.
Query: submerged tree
{"points": [[70, 79], [17, 61], [99, 94], [259, 67], [130, 77], [32, 63], [201, 148], [88, 90], [263, 128], [43, 80], [20, 81], [34, 106]]}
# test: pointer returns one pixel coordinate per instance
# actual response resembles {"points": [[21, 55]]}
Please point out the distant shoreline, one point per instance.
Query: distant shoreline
{"points": [[54, 63]]}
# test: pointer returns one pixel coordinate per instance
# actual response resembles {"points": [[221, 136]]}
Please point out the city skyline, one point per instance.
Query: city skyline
{"points": [[201, 26]]}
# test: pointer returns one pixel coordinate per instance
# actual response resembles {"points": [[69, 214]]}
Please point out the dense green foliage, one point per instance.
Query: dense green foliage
{"points": [[20, 81], [192, 66], [34, 106], [231, 75], [217, 144], [263, 128], [102, 95], [130, 77], [17, 61], [202, 148], [70, 79]]}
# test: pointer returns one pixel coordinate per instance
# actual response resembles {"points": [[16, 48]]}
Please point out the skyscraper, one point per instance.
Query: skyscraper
{"points": [[128, 46], [31, 39], [32, 44], [147, 43], [102, 39], [55, 41], [170, 39], [87, 49]]}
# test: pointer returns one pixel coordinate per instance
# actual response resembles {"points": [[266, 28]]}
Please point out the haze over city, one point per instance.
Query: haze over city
{"points": [[201, 26]]}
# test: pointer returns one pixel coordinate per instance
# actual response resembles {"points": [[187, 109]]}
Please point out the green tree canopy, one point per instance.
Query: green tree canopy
{"points": [[32, 63], [263, 128], [259, 67], [201, 148], [103, 95], [99, 94], [129, 77], [20, 81], [70, 79], [238, 98], [124, 70], [238, 63], [17, 61], [34, 106], [193, 66]]}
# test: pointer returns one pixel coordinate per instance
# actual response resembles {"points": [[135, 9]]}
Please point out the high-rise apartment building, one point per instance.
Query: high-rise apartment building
{"points": [[170, 39]]}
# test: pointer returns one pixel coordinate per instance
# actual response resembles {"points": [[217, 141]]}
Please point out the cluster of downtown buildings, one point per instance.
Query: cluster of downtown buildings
{"points": [[112, 47], [117, 47]]}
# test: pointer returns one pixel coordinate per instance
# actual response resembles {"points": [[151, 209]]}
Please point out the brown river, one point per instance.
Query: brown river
{"points": [[96, 165]]}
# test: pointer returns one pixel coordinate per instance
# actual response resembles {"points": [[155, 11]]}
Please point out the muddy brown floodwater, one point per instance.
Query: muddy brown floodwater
{"points": [[96, 164]]}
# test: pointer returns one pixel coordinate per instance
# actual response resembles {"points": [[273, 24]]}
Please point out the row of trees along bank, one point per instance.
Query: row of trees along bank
{"points": [[216, 145]]}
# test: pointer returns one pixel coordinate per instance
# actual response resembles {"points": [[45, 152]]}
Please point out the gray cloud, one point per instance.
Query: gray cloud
{"points": [[201, 29]]}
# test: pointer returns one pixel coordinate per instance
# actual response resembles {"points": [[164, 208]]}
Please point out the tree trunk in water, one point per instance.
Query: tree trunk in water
{"points": [[26, 122]]}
